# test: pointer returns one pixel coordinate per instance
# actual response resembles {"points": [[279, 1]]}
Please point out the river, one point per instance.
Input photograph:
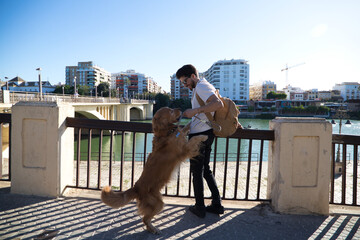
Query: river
{"points": [[261, 124]]}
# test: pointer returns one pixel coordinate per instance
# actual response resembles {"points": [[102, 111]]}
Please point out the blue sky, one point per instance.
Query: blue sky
{"points": [[157, 37]]}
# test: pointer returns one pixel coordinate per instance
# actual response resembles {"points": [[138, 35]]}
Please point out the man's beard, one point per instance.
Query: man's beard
{"points": [[192, 86]]}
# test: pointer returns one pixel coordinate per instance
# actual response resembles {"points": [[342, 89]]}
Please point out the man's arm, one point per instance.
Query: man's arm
{"points": [[212, 104]]}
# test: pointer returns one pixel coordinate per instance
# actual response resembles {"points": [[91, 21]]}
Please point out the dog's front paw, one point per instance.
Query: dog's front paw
{"points": [[186, 129]]}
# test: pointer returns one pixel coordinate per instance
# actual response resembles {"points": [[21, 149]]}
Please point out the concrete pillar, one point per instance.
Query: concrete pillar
{"points": [[123, 112], [42, 148], [299, 165], [148, 111]]}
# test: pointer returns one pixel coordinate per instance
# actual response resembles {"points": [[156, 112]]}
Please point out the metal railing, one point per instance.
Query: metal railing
{"points": [[240, 174], [5, 144], [344, 170], [239, 177], [15, 97]]}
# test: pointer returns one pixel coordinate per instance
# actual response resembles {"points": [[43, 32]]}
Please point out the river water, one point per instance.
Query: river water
{"points": [[261, 124]]}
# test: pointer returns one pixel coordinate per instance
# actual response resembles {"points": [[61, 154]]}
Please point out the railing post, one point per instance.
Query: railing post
{"points": [[42, 148], [299, 165]]}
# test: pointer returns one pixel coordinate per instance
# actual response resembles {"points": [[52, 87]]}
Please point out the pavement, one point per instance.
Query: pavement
{"points": [[81, 215]]}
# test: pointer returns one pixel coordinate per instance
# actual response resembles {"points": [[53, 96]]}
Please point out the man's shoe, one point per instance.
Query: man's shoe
{"points": [[217, 209], [198, 211]]}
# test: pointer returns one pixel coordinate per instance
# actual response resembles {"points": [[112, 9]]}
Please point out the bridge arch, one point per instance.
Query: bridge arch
{"points": [[90, 114], [136, 113]]}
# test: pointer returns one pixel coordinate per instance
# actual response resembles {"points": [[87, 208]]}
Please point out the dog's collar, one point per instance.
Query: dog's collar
{"points": [[173, 130]]}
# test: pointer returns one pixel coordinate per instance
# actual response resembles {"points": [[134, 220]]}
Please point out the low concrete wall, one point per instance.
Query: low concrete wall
{"points": [[299, 165], [42, 148]]}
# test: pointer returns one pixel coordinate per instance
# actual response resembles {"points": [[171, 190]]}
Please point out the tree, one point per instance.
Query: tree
{"points": [[103, 88], [161, 100], [67, 89], [83, 90], [274, 95], [181, 103]]}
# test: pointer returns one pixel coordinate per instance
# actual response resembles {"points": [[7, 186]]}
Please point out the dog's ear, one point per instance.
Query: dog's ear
{"points": [[160, 126]]}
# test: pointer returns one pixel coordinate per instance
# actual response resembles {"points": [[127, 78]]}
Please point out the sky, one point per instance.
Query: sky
{"points": [[319, 40]]}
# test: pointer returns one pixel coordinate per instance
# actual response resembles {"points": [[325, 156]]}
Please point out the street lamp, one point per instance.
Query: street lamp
{"points": [[340, 114], [63, 89], [7, 83], [75, 86], [40, 84]]}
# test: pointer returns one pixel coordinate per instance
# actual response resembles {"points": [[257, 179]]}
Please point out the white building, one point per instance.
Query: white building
{"points": [[177, 89], [87, 74], [231, 77], [348, 90], [18, 84], [290, 91]]}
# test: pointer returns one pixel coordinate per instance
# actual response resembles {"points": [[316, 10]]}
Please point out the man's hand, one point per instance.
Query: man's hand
{"points": [[189, 113]]}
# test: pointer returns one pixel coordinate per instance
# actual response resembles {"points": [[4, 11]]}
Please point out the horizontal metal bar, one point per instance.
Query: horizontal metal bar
{"points": [[345, 139], [108, 125], [147, 128]]}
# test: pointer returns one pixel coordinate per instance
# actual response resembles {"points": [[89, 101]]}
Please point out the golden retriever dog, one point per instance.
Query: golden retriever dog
{"points": [[170, 148]]}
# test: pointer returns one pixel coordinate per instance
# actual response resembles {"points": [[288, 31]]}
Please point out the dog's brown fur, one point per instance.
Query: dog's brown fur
{"points": [[170, 148]]}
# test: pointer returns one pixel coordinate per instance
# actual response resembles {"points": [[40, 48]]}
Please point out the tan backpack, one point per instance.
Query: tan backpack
{"points": [[226, 117]]}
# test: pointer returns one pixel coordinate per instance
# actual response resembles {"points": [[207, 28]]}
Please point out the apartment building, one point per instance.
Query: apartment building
{"points": [[178, 90], [324, 95], [231, 77], [87, 74], [130, 83], [259, 91], [313, 94], [348, 90]]}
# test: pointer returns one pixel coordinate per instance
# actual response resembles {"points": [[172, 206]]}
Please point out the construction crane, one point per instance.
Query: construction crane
{"points": [[287, 69]]}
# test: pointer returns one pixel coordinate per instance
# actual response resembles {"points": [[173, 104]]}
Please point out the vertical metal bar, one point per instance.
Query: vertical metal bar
{"points": [[237, 167], [343, 195], [1, 147], [111, 156], [145, 142], [133, 159], [178, 183], [78, 157], [10, 126], [215, 153], [100, 156], [260, 169], [226, 163], [122, 160], [332, 179], [88, 159], [248, 170], [355, 166], [189, 192]]}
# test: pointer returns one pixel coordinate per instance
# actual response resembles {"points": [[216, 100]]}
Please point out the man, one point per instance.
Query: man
{"points": [[199, 166]]}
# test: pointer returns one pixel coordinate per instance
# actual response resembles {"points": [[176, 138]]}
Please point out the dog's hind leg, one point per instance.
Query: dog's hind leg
{"points": [[150, 209]]}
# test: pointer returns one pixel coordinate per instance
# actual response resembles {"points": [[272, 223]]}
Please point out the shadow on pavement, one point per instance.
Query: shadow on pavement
{"points": [[79, 218]]}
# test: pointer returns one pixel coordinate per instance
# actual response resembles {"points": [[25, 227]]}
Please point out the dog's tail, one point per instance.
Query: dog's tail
{"points": [[117, 199]]}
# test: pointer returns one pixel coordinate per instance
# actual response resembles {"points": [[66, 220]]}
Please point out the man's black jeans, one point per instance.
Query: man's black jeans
{"points": [[199, 166]]}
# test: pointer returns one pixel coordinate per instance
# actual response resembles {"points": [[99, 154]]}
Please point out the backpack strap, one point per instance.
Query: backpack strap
{"points": [[201, 102]]}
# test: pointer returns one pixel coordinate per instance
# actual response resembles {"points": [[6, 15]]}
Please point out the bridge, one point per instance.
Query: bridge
{"points": [[103, 108]]}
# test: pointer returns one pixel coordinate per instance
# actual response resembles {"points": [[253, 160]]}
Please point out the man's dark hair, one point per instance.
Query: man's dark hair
{"points": [[186, 71]]}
